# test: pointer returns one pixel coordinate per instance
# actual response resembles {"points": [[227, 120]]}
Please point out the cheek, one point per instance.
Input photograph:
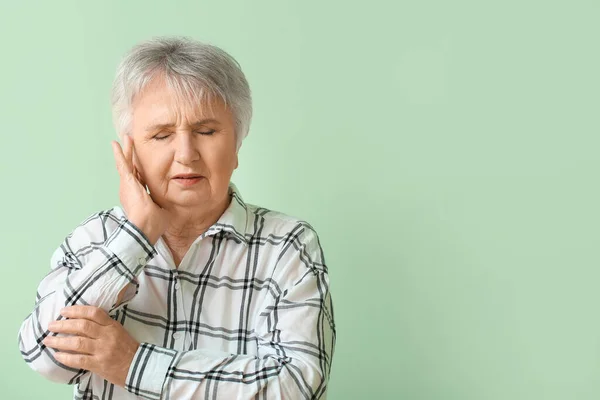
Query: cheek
{"points": [[220, 163], [156, 166]]}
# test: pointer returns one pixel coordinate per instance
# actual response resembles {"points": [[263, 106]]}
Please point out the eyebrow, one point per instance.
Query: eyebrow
{"points": [[171, 125]]}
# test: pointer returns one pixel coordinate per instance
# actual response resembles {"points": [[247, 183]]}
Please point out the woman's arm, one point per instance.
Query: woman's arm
{"points": [[95, 265]]}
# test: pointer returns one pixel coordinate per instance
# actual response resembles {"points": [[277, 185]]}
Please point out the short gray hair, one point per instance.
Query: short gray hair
{"points": [[196, 71]]}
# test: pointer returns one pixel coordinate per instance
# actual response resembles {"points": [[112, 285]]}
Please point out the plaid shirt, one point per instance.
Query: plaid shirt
{"points": [[247, 314]]}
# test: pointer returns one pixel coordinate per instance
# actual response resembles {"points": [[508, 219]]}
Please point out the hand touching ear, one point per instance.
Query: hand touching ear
{"points": [[139, 207]]}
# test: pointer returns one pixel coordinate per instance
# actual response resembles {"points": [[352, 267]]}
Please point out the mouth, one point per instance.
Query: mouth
{"points": [[187, 176], [187, 180]]}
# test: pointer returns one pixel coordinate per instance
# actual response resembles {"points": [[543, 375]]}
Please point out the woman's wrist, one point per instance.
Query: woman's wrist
{"points": [[150, 229]]}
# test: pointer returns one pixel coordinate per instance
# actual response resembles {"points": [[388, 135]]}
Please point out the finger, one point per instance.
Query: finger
{"points": [[120, 162], [80, 327], [139, 177], [126, 148], [91, 313], [82, 361], [127, 151], [136, 167], [130, 150], [75, 344]]}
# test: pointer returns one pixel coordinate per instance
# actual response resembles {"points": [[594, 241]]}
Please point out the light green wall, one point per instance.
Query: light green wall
{"points": [[446, 152]]}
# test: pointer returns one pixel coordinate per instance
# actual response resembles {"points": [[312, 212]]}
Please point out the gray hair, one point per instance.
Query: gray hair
{"points": [[196, 71]]}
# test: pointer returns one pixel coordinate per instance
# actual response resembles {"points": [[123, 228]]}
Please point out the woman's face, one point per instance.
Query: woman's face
{"points": [[186, 153]]}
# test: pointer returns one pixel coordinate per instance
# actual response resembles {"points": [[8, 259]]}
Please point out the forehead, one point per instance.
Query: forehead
{"points": [[158, 103]]}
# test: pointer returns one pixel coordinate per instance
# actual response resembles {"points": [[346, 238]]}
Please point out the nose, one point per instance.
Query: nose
{"points": [[185, 149]]}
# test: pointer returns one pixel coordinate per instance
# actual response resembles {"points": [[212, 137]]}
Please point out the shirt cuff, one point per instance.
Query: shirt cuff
{"points": [[148, 370], [132, 247]]}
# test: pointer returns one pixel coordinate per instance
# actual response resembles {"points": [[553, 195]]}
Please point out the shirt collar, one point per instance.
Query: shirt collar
{"points": [[234, 219]]}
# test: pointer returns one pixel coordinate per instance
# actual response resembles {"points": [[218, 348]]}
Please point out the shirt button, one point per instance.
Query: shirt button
{"points": [[142, 261], [176, 335], [177, 285]]}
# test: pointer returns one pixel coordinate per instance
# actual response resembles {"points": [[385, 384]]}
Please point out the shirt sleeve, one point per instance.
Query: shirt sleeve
{"points": [[295, 346], [102, 256]]}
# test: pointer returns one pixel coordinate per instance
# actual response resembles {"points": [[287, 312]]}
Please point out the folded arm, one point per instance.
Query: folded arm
{"points": [[92, 266]]}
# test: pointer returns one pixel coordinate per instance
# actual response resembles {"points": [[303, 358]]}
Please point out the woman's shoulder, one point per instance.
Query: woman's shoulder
{"points": [[295, 241], [276, 222], [287, 230]]}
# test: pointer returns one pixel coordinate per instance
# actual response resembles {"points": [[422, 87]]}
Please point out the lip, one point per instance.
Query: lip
{"points": [[187, 176], [187, 180]]}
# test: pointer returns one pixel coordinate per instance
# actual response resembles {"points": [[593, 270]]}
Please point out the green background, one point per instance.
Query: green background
{"points": [[445, 151]]}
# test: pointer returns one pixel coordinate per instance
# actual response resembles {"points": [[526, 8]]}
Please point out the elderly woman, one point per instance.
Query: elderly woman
{"points": [[185, 291]]}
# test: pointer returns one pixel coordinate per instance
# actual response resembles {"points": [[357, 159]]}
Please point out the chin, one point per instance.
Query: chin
{"points": [[188, 200]]}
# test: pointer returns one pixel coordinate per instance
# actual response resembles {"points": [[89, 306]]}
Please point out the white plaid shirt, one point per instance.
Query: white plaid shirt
{"points": [[248, 313]]}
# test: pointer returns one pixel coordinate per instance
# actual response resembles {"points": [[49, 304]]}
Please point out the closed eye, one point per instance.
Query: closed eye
{"points": [[160, 136], [206, 132]]}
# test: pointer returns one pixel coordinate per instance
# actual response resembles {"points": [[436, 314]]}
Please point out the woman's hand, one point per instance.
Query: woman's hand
{"points": [[139, 207], [100, 344]]}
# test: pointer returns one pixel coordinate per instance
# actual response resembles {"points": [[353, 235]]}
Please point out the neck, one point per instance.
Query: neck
{"points": [[186, 225]]}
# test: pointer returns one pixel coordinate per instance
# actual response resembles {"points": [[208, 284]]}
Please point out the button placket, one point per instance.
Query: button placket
{"points": [[180, 335]]}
